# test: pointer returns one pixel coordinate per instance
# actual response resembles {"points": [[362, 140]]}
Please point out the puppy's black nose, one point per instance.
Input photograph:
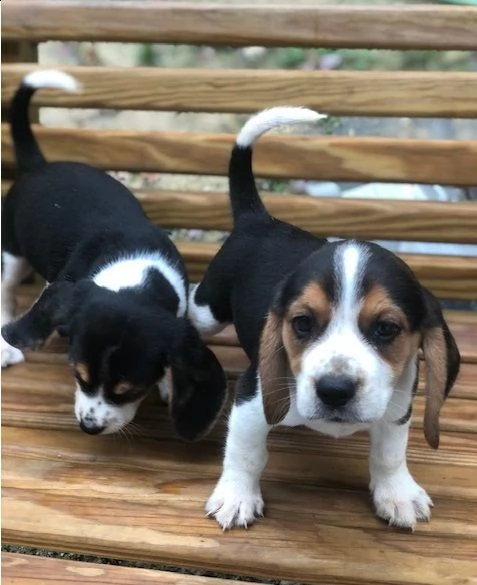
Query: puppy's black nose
{"points": [[91, 428], [335, 391]]}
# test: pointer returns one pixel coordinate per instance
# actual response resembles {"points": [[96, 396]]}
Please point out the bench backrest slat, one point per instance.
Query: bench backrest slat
{"points": [[449, 162], [340, 93], [385, 27]]}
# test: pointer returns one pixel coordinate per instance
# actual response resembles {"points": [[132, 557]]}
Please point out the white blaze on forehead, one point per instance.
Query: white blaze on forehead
{"points": [[349, 264]]}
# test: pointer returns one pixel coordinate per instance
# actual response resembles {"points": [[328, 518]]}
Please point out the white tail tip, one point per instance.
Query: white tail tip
{"points": [[268, 119], [51, 79]]}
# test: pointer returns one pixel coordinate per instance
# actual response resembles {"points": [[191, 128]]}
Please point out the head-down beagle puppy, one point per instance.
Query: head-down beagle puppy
{"points": [[116, 287], [332, 331]]}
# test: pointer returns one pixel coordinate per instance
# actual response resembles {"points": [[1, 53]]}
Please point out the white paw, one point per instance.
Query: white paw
{"points": [[10, 355], [165, 389], [401, 501], [235, 504]]}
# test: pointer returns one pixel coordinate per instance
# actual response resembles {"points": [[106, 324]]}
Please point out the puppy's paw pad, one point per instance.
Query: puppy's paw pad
{"points": [[402, 503], [235, 507], [10, 355]]}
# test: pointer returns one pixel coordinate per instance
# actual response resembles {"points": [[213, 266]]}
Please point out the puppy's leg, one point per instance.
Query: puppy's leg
{"points": [[237, 498], [203, 310], [15, 269], [397, 497]]}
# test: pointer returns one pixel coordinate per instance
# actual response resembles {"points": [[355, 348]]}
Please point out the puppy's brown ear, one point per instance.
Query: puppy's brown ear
{"points": [[442, 365], [274, 371]]}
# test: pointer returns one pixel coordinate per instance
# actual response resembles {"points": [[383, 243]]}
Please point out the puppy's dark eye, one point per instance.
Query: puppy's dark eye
{"points": [[385, 331], [302, 326]]}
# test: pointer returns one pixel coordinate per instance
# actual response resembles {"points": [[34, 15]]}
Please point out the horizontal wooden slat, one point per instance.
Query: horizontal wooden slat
{"points": [[66, 491], [385, 27], [39, 394], [22, 569], [305, 157], [426, 221], [463, 325], [449, 277], [363, 93], [325, 217]]}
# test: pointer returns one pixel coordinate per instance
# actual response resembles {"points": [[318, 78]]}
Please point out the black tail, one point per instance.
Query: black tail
{"points": [[27, 152], [244, 196]]}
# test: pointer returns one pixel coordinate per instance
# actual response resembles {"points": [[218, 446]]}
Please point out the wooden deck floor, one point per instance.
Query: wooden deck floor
{"points": [[143, 498]]}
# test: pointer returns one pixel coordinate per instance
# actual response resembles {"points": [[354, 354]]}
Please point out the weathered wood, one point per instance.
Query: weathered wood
{"points": [[344, 93], [425, 221], [463, 325], [68, 491], [385, 27], [39, 395], [21, 569], [325, 217], [305, 157], [452, 277]]}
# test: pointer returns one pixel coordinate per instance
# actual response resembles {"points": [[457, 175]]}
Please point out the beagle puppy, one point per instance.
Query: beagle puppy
{"points": [[116, 287], [332, 331]]}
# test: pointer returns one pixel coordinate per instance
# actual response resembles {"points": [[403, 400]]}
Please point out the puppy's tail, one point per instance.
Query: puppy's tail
{"points": [[27, 152], [244, 195]]}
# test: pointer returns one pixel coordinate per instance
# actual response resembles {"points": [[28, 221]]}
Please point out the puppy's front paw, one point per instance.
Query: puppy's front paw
{"points": [[401, 501], [10, 355], [235, 504]]}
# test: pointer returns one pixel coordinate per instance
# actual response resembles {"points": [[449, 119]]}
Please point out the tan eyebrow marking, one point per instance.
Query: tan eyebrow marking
{"points": [[312, 298], [378, 304], [83, 372], [122, 387]]}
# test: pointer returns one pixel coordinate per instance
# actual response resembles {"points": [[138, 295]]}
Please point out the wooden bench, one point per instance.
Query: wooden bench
{"points": [[142, 500]]}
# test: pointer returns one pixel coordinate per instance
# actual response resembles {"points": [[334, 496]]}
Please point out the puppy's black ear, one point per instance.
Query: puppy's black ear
{"points": [[199, 388], [49, 312], [442, 365], [273, 369]]}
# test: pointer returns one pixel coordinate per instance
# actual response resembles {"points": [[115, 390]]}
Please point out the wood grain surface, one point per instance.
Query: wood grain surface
{"points": [[21, 569], [282, 157], [426, 221], [384, 27], [343, 93], [325, 217], [452, 277], [142, 498]]}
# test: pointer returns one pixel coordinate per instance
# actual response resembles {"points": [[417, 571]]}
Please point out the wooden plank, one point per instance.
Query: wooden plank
{"points": [[21, 569], [39, 395], [424, 221], [385, 27], [449, 277], [284, 157], [71, 492], [325, 217], [341, 93]]}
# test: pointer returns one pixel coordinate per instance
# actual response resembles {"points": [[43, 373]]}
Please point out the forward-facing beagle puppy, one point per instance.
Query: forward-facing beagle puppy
{"points": [[332, 331], [116, 287]]}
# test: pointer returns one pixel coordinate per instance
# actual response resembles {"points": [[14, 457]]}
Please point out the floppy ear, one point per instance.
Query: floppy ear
{"points": [[273, 370], [199, 388], [49, 312], [442, 361]]}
